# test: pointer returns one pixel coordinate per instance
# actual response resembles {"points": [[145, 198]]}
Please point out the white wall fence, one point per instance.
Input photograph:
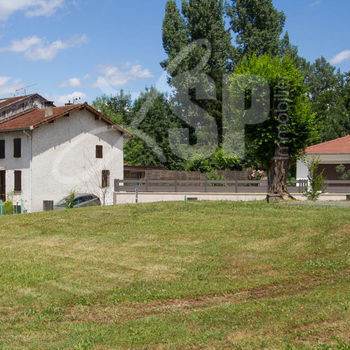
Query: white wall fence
{"points": [[143, 190]]}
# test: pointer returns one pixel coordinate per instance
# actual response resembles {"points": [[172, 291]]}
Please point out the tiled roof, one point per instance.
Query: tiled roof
{"points": [[36, 118], [7, 101], [341, 145]]}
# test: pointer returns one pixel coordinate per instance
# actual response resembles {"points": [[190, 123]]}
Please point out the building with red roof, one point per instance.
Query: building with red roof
{"points": [[47, 151], [331, 154]]}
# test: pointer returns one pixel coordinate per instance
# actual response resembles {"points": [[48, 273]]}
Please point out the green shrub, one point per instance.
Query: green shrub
{"points": [[343, 173], [315, 186], [8, 208], [70, 200]]}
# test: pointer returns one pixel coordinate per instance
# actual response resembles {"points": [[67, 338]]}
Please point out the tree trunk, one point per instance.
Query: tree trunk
{"points": [[277, 175]]}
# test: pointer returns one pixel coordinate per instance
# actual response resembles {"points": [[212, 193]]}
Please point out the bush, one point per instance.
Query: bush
{"points": [[315, 186], [8, 208], [70, 200], [343, 173], [220, 160], [213, 175]]}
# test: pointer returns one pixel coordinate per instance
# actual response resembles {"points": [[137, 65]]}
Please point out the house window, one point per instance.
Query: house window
{"points": [[99, 151], [105, 178], [18, 181], [17, 148], [2, 149]]}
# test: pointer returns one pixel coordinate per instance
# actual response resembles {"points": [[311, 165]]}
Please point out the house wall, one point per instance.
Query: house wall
{"points": [[328, 162], [64, 158], [302, 171], [10, 164], [22, 106]]}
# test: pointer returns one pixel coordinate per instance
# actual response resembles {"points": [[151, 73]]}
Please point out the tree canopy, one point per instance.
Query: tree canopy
{"points": [[205, 41], [290, 124]]}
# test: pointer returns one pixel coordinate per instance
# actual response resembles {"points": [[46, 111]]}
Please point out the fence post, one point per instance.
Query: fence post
{"points": [[236, 185], [116, 185], [146, 185], [175, 185], [205, 185]]}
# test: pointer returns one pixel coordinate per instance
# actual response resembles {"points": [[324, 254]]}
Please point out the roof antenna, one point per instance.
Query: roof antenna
{"points": [[73, 102], [76, 99], [24, 89]]}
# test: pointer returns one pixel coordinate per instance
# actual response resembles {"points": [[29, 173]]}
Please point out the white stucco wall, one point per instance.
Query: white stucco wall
{"points": [[151, 197], [10, 164], [325, 158], [302, 171], [64, 158]]}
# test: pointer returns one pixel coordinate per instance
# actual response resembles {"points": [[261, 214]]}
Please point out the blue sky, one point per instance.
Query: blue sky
{"points": [[86, 48]]}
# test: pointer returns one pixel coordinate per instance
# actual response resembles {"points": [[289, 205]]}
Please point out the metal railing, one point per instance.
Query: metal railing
{"points": [[9, 208], [217, 186], [220, 186]]}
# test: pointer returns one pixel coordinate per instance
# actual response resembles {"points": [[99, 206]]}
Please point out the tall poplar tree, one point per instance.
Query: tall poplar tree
{"points": [[258, 27], [198, 20]]}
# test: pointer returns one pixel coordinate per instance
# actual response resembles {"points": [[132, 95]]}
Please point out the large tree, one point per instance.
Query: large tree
{"points": [[199, 21], [151, 123], [289, 125], [326, 92], [150, 120], [116, 107], [258, 27]]}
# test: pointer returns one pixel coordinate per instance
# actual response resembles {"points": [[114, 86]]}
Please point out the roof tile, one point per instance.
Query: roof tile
{"points": [[36, 118], [341, 145]]}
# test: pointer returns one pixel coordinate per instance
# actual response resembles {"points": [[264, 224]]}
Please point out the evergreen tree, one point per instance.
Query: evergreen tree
{"points": [[258, 27], [116, 107], [198, 20], [326, 86], [150, 127]]}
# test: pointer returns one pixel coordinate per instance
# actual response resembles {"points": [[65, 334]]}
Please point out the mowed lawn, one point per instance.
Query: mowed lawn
{"points": [[176, 275]]}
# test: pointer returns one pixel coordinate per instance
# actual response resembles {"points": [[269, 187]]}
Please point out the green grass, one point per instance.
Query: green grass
{"points": [[176, 275]]}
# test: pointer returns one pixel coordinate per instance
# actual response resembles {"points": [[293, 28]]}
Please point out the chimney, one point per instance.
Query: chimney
{"points": [[48, 109]]}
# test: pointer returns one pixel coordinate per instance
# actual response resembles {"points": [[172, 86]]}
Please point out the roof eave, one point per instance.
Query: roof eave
{"points": [[18, 129]]}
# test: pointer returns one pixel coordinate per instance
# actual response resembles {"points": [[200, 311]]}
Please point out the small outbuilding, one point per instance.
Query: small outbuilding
{"points": [[331, 154]]}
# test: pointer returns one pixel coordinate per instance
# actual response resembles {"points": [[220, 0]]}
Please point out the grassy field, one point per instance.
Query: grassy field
{"points": [[176, 275]]}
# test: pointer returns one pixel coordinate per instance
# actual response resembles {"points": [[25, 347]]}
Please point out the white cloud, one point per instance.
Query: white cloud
{"points": [[31, 8], [315, 3], [340, 57], [8, 86], [76, 96], [113, 76], [72, 82], [35, 48]]}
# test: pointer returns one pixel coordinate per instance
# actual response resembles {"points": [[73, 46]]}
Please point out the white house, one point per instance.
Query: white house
{"points": [[331, 154], [46, 151]]}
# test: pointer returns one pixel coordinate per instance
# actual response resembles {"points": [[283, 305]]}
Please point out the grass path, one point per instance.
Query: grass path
{"points": [[176, 275]]}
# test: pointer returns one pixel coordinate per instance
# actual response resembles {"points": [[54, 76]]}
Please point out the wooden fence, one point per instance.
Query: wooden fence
{"points": [[219, 186]]}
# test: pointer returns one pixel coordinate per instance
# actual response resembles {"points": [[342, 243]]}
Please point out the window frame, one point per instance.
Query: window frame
{"points": [[106, 174], [99, 152], [17, 148], [17, 181], [2, 149]]}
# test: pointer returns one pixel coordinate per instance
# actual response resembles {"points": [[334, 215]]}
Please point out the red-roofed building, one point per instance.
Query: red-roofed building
{"points": [[331, 154], [46, 151]]}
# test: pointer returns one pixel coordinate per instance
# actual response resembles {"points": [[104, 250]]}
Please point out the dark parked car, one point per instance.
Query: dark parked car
{"points": [[80, 200]]}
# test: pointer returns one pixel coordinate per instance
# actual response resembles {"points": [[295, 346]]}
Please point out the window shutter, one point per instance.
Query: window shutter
{"points": [[2, 149], [17, 148], [18, 181], [99, 151], [105, 178]]}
